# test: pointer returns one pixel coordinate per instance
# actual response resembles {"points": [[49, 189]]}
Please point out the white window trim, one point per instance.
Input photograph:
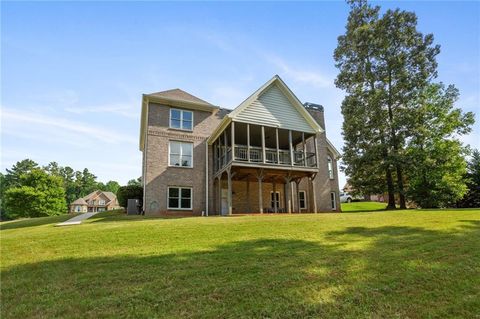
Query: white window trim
{"points": [[305, 199], [180, 197], [101, 202], [169, 164], [334, 207], [331, 173], [181, 120], [279, 198]]}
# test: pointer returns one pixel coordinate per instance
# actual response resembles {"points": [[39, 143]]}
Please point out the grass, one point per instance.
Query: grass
{"points": [[363, 206], [402, 264]]}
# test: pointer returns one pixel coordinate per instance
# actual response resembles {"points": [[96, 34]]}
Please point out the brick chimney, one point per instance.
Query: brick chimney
{"points": [[316, 110]]}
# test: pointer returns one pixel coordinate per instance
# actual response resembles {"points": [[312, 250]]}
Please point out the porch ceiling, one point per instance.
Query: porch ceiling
{"points": [[269, 175]]}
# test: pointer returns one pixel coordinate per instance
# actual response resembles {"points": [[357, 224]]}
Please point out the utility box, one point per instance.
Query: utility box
{"points": [[133, 207]]}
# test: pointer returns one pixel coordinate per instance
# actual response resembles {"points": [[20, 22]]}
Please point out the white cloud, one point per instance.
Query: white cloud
{"points": [[125, 110], [59, 126]]}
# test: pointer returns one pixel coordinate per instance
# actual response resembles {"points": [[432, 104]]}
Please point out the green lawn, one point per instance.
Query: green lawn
{"points": [[363, 206], [402, 264]]}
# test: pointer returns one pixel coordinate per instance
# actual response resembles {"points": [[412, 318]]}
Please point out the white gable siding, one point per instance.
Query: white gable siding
{"points": [[272, 108]]}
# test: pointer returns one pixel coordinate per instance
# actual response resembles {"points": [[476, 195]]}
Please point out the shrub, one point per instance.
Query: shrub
{"points": [[125, 193]]}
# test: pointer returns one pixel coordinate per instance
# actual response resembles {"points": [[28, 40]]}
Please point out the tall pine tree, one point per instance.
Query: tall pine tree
{"points": [[384, 62]]}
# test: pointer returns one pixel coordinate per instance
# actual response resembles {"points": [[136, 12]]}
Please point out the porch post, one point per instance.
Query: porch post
{"points": [[232, 129], [297, 189], [219, 196], [315, 149], [313, 196], [248, 142], [263, 143], [288, 200], [260, 192], [290, 146], [275, 208], [277, 144], [225, 146], [304, 149], [229, 191]]}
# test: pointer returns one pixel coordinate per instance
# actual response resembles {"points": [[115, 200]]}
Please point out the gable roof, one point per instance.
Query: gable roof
{"points": [[179, 95], [273, 104], [79, 201]]}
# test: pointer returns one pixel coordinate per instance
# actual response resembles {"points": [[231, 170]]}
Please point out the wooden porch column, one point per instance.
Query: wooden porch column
{"points": [[219, 195], [248, 142], [275, 208], [290, 146], [232, 133], [260, 192], [263, 144], [304, 150], [297, 192], [225, 147], [278, 146], [229, 191], [313, 195], [315, 149], [288, 199]]}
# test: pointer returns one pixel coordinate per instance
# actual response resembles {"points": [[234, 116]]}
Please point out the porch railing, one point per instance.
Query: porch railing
{"points": [[255, 155]]}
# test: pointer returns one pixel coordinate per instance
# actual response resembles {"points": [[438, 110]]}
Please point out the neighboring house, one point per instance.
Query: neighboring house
{"points": [[97, 201], [270, 154]]}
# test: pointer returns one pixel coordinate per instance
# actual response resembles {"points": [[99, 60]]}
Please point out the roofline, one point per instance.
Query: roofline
{"points": [[147, 98], [290, 95], [219, 129], [332, 148]]}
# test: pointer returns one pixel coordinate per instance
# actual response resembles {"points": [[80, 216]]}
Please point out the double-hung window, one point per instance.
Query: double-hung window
{"points": [[333, 200], [303, 199], [330, 167], [181, 119], [101, 202], [180, 198], [180, 154]]}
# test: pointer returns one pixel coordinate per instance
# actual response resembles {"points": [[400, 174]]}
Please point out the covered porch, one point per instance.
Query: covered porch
{"points": [[241, 189], [258, 145]]}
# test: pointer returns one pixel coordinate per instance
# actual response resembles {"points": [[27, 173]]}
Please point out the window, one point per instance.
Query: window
{"points": [[101, 202], [330, 167], [180, 119], [302, 196], [274, 199], [333, 200], [180, 154], [179, 198]]}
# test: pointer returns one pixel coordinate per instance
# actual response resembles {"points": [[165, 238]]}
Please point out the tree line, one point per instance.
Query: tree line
{"points": [[30, 190], [401, 128]]}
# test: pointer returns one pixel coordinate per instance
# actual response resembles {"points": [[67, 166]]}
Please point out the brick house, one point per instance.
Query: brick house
{"points": [[268, 155], [97, 201]]}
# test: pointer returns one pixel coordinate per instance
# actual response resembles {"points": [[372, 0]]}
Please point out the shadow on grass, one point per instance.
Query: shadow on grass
{"points": [[32, 222], [399, 272]]}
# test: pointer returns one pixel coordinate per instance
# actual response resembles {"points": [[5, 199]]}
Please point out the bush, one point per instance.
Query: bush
{"points": [[37, 195], [125, 193]]}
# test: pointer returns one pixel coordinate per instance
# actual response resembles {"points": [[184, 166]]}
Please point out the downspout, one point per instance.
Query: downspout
{"points": [[206, 178], [145, 152]]}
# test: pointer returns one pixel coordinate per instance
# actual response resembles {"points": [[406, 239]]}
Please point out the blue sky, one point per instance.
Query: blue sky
{"points": [[73, 73]]}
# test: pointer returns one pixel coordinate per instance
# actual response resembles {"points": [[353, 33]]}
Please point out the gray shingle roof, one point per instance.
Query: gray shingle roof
{"points": [[180, 95]]}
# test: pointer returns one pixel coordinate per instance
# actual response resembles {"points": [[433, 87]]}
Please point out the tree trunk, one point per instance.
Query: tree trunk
{"points": [[398, 167], [403, 203], [390, 189]]}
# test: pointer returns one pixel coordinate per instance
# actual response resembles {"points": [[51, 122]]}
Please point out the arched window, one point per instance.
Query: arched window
{"points": [[330, 167]]}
